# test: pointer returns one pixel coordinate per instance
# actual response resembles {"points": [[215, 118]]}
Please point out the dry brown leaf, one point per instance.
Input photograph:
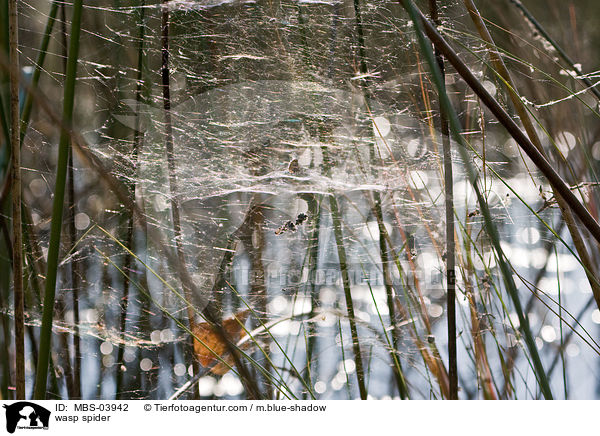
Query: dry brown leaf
{"points": [[212, 344]]}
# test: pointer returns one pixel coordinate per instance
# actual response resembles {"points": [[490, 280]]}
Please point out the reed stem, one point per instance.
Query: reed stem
{"points": [[130, 238], [450, 244], [17, 229], [57, 206], [339, 238]]}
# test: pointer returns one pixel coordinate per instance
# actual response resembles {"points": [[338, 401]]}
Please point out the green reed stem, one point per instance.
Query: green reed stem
{"points": [[72, 372], [389, 290], [57, 207], [312, 339], [377, 210], [339, 238]]}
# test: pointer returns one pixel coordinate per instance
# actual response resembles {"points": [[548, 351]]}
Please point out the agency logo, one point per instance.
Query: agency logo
{"points": [[26, 415]]}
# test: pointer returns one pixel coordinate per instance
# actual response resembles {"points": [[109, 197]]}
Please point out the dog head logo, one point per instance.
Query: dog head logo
{"points": [[26, 415]]}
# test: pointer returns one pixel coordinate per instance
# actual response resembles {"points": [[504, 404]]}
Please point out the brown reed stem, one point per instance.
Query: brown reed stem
{"points": [[17, 230], [450, 244]]}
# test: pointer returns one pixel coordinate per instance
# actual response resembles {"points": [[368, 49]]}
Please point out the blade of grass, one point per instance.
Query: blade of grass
{"points": [[5, 356], [312, 339], [387, 280]]}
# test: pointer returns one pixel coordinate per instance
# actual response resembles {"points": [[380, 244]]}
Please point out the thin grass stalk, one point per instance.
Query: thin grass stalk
{"points": [[549, 246], [377, 211], [480, 354], [5, 151], [4, 87], [499, 65], [75, 283], [33, 252], [432, 362], [36, 264], [389, 291], [450, 243], [561, 349], [6, 355], [252, 238], [416, 294], [64, 360], [54, 390], [430, 358], [57, 207], [421, 22], [302, 26], [339, 238], [312, 340], [361, 37], [137, 142], [480, 358], [563, 54], [509, 365], [479, 350], [142, 92], [258, 286], [17, 226], [4, 30], [565, 342], [166, 90], [588, 339]]}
